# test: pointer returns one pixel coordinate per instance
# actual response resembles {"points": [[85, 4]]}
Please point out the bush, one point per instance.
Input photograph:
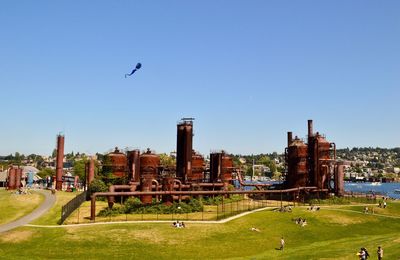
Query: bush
{"points": [[97, 186], [219, 199], [134, 205]]}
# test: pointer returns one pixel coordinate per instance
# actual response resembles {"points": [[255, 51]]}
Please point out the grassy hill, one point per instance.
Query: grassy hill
{"points": [[334, 232], [14, 206]]}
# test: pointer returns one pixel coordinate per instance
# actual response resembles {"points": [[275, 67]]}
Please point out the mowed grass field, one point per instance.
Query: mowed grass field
{"points": [[14, 206], [335, 232]]}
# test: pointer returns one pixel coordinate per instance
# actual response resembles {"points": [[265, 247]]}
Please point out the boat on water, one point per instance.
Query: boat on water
{"points": [[397, 191], [376, 183]]}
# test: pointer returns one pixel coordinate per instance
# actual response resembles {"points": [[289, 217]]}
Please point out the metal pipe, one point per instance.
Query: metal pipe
{"points": [[157, 187], [180, 188]]}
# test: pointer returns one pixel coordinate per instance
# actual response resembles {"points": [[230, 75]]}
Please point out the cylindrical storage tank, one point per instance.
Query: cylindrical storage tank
{"points": [[18, 178], [297, 164], [339, 180], [149, 163], [59, 161], [146, 183], [184, 146], [11, 178], [168, 185], [197, 173], [118, 163], [215, 166], [322, 152], [227, 169], [134, 165]]}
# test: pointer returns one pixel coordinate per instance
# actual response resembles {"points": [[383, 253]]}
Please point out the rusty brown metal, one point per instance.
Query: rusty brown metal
{"points": [[227, 169], [59, 161], [146, 185], [297, 154], [118, 162], [90, 171], [322, 149], [215, 166], [290, 138], [134, 165], [184, 148], [18, 177], [339, 179], [149, 163], [312, 164], [197, 172], [168, 185], [11, 178], [310, 128]]}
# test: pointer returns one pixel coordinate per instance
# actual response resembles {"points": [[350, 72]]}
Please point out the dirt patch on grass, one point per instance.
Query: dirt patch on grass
{"points": [[16, 236], [396, 240]]}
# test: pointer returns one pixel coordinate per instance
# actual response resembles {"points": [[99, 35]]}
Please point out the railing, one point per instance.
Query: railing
{"points": [[72, 205], [223, 210]]}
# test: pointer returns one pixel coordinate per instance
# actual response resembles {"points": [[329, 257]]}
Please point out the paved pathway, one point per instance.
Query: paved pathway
{"points": [[50, 199], [152, 221]]}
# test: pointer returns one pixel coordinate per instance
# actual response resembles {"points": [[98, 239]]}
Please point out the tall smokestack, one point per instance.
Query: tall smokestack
{"points": [[310, 128], [90, 171], [184, 148], [59, 161], [289, 138]]}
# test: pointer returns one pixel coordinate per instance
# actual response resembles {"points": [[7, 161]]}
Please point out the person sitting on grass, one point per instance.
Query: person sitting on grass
{"points": [[255, 229]]}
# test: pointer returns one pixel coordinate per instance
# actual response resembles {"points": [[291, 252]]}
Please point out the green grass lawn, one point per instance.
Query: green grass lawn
{"points": [[13, 206], [330, 234], [54, 214]]}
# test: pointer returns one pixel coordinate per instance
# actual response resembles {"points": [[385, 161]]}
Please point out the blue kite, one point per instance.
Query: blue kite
{"points": [[138, 66]]}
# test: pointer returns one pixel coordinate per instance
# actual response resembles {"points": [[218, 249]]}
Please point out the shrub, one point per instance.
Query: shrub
{"points": [[97, 186]]}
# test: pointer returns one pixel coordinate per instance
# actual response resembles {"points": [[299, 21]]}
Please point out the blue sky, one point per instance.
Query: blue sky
{"points": [[248, 71]]}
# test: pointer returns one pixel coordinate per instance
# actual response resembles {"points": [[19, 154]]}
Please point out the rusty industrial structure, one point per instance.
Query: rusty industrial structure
{"points": [[59, 161], [313, 163], [312, 168], [144, 173], [14, 178], [89, 170]]}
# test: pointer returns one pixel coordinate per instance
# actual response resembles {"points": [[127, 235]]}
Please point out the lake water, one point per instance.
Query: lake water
{"points": [[384, 188]]}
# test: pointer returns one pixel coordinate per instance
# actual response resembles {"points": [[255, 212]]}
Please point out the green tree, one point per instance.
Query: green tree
{"points": [[167, 160], [46, 172], [79, 168]]}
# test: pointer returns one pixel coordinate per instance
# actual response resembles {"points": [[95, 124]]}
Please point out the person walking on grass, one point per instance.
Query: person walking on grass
{"points": [[380, 253], [282, 243]]}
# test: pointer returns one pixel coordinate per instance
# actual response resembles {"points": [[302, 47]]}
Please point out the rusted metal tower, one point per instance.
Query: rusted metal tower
{"points": [[59, 161], [184, 148]]}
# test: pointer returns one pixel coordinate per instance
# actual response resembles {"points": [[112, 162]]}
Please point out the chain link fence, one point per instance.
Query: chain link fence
{"points": [[72, 205], [224, 209]]}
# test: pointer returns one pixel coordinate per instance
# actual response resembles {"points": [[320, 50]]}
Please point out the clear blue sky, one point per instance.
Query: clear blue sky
{"points": [[248, 71]]}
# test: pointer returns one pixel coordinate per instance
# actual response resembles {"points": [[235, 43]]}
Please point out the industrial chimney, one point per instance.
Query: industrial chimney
{"points": [[59, 161], [184, 148]]}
